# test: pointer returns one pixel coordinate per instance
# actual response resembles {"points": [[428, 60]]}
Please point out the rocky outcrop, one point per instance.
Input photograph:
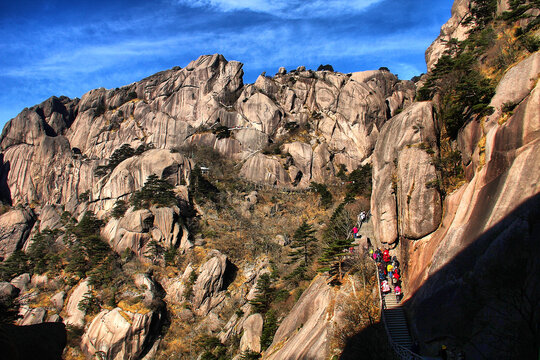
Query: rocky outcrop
{"points": [[74, 315], [455, 28], [8, 291], [402, 205], [337, 115], [251, 339], [138, 227], [486, 224], [304, 333], [31, 316], [22, 282], [119, 334], [15, 227], [210, 281]]}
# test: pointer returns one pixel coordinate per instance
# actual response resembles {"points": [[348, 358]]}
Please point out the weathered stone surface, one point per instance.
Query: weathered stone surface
{"points": [[57, 300], [455, 28], [137, 228], [8, 291], [419, 206], [210, 282], [251, 340], [396, 170], [74, 315], [264, 169], [303, 334], [22, 282], [119, 334], [15, 226], [515, 85], [31, 316], [49, 217], [486, 222], [131, 174]]}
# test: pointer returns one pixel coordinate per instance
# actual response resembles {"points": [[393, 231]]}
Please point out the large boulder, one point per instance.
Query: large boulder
{"points": [[74, 315], [401, 202], [15, 226], [210, 281], [251, 339], [119, 334]]}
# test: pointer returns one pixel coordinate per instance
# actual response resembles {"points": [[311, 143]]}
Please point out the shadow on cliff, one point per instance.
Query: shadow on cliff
{"points": [[485, 301], [5, 192]]}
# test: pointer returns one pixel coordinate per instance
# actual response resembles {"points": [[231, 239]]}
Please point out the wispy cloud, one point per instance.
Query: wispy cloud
{"points": [[289, 9], [70, 55]]}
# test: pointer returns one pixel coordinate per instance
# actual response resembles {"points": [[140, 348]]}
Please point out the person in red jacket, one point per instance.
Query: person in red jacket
{"points": [[386, 256]]}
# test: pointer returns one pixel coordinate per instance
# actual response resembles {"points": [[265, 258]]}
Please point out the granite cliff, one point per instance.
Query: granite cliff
{"points": [[154, 220]]}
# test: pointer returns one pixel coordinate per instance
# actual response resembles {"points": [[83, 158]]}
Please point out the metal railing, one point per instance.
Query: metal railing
{"points": [[400, 350]]}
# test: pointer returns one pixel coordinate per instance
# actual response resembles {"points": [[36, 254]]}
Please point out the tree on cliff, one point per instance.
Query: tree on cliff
{"points": [[338, 240], [155, 191], [302, 250]]}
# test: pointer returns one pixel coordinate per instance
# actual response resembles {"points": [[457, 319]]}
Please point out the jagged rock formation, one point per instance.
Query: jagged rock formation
{"points": [[210, 281], [120, 334], [287, 130], [74, 315], [401, 203], [325, 118], [486, 217], [15, 226]]}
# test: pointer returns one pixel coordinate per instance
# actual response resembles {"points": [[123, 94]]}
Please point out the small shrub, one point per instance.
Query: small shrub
{"points": [[156, 192], [326, 67], [132, 95], [322, 190], [221, 132], [89, 304], [119, 209], [85, 196]]}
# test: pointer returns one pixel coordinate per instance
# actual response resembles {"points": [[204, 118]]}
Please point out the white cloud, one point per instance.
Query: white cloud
{"points": [[289, 9]]}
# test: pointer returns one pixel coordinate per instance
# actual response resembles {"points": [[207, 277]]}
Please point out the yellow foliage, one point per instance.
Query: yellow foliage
{"points": [[139, 308]]}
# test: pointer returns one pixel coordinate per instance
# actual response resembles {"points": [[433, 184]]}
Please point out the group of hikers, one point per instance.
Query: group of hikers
{"points": [[389, 272], [388, 267]]}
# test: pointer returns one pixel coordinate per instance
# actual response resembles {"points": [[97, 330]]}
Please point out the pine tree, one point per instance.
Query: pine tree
{"points": [[338, 240], [302, 249], [261, 302]]}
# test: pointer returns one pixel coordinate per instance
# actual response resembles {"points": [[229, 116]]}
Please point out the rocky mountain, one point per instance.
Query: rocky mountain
{"points": [[160, 219]]}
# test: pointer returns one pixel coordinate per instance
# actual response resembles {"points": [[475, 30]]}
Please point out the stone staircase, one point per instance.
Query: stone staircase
{"points": [[396, 322]]}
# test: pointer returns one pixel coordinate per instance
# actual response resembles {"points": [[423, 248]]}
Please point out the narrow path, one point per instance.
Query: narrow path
{"points": [[395, 323]]}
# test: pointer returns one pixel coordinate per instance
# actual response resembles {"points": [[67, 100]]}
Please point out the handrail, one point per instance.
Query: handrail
{"points": [[400, 350]]}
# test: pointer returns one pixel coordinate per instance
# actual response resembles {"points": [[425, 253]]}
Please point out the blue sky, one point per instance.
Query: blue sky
{"points": [[70, 47]]}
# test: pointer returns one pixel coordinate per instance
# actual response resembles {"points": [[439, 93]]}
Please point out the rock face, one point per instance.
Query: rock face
{"points": [[487, 223], [209, 283], [15, 226], [75, 316], [402, 205], [455, 28], [337, 118], [251, 340], [119, 334], [309, 316]]}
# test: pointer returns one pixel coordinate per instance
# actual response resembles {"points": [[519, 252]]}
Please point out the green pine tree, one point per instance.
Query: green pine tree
{"points": [[264, 296], [338, 240], [302, 249]]}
